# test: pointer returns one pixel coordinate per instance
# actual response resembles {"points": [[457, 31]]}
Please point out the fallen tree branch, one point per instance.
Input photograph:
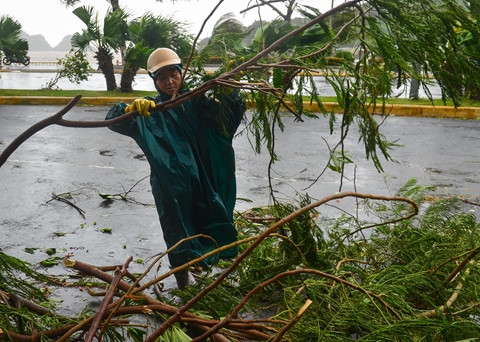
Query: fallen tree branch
{"points": [[244, 301], [242, 256]]}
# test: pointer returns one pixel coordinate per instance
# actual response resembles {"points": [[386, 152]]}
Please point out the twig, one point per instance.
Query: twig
{"points": [[475, 250], [468, 308], [457, 269], [281, 65], [297, 317], [119, 273], [64, 200], [341, 262], [469, 202], [192, 51], [448, 304], [263, 3], [414, 213], [113, 268], [322, 50], [192, 262], [331, 151], [14, 336]]}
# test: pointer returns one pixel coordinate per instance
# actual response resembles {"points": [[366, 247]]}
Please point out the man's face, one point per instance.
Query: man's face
{"points": [[168, 80]]}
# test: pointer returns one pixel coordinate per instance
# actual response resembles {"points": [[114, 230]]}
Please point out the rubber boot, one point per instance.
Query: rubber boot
{"points": [[182, 279]]}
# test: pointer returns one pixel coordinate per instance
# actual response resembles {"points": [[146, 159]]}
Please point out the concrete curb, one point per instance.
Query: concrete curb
{"points": [[56, 101], [467, 113]]}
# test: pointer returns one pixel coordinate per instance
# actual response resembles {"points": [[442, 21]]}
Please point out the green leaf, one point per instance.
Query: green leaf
{"points": [[50, 251], [30, 250], [334, 168], [105, 196], [50, 262], [277, 77], [136, 334], [335, 160]]}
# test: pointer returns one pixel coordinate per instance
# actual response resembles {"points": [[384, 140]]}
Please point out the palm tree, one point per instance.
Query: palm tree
{"points": [[10, 42], [227, 36], [107, 42], [146, 34], [270, 33]]}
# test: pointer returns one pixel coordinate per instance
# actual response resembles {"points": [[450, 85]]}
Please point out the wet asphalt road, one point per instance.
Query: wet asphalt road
{"points": [[438, 152]]}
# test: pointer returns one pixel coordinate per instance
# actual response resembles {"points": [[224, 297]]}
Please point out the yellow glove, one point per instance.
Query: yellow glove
{"points": [[142, 106]]}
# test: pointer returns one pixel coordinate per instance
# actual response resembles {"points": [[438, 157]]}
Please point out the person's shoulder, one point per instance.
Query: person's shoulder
{"points": [[156, 98]]}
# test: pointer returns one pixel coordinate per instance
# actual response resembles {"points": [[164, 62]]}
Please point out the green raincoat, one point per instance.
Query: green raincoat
{"points": [[192, 164]]}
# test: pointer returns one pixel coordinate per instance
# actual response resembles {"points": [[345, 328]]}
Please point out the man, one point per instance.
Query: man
{"points": [[189, 149]]}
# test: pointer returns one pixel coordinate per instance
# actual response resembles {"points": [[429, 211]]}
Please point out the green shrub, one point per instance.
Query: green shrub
{"points": [[347, 55]]}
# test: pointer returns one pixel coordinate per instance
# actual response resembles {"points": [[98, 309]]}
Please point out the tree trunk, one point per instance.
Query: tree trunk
{"points": [[114, 4], [128, 75], [105, 63], [415, 83], [473, 93]]}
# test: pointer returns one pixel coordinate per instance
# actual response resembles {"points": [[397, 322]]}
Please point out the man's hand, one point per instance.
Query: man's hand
{"points": [[142, 106]]}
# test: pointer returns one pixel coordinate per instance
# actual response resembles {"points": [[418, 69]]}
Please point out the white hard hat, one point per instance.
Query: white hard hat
{"points": [[161, 58]]}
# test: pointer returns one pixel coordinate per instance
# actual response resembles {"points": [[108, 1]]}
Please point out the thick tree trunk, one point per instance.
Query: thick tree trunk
{"points": [[128, 75], [105, 63]]}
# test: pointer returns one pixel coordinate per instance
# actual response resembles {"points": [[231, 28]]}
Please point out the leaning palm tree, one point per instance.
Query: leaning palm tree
{"points": [[144, 35], [227, 38], [107, 42], [10, 42]]}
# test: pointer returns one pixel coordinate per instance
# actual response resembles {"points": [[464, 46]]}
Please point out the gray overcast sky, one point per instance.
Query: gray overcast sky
{"points": [[54, 21]]}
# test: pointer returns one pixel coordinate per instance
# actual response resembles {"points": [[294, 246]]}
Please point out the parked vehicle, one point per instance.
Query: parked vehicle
{"points": [[7, 60]]}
